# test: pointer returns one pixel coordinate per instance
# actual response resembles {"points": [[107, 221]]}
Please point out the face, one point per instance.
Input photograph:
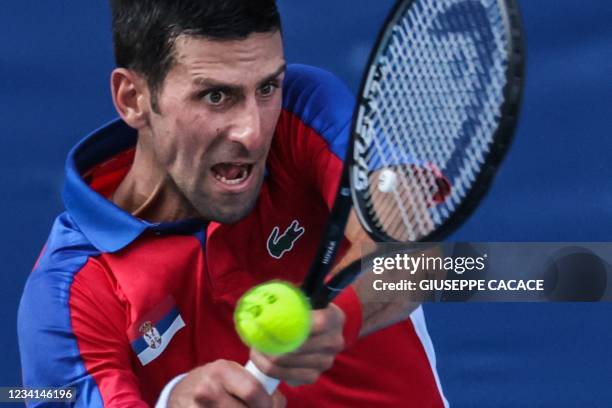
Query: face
{"points": [[217, 112]]}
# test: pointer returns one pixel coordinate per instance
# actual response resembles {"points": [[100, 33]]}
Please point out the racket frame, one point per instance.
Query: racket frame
{"points": [[513, 91]]}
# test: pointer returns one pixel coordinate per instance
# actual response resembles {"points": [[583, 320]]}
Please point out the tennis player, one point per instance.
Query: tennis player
{"points": [[218, 175]]}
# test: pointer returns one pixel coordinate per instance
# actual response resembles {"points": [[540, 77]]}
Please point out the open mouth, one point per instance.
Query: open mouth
{"points": [[232, 174]]}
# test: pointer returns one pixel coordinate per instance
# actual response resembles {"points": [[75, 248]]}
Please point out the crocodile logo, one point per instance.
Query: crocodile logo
{"points": [[279, 244]]}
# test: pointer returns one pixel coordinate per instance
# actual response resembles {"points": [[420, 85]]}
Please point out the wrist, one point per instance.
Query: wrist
{"points": [[349, 303], [164, 397]]}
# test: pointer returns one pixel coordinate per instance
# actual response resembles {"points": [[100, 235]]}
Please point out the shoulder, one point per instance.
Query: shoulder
{"points": [[307, 86], [317, 108], [318, 98]]}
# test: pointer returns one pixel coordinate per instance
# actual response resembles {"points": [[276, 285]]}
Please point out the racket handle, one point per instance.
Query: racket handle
{"points": [[269, 383], [335, 285]]}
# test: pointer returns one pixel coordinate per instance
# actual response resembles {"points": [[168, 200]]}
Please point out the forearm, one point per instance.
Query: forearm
{"points": [[378, 308], [377, 314]]}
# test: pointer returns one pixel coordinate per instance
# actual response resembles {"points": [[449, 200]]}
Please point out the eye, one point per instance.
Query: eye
{"points": [[268, 89], [215, 98]]}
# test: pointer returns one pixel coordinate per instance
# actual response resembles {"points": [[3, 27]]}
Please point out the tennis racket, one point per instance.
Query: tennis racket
{"points": [[434, 118]]}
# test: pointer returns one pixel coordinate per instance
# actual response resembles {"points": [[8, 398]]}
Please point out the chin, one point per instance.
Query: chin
{"points": [[229, 212], [230, 216], [227, 208]]}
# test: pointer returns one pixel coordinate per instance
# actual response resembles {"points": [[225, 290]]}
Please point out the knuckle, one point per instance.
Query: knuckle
{"points": [[206, 393], [340, 316], [334, 344], [279, 400], [318, 322], [327, 363], [310, 377], [294, 383], [273, 360], [216, 368], [266, 367], [219, 365], [338, 343], [250, 391], [206, 385]]}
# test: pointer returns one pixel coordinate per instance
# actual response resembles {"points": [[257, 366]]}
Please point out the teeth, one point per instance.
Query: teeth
{"points": [[243, 175]]}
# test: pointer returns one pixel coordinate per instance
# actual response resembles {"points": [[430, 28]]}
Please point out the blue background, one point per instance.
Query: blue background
{"points": [[555, 185]]}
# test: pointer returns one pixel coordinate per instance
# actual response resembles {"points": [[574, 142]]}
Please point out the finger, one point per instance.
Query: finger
{"points": [[321, 344], [293, 373], [278, 400], [320, 360], [326, 319], [296, 383], [297, 376], [330, 342], [221, 400], [202, 388], [238, 382]]}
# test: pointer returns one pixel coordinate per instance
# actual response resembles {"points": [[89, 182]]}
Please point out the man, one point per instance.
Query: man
{"points": [[219, 175]]}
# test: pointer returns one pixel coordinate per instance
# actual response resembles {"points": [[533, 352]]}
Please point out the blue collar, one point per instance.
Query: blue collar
{"points": [[108, 227]]}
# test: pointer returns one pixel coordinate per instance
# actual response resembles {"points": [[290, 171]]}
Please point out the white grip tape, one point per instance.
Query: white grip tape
{"points": [[269, 383]]}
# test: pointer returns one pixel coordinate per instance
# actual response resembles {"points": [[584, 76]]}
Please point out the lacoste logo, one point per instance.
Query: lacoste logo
{"points": [[278, 245]]}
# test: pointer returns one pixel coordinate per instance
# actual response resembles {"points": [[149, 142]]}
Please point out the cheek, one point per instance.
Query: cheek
{"points": [[182, 142], [269, 119]]}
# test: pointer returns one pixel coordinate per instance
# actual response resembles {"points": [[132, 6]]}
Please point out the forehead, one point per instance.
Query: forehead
{"points": [[232, 61]]}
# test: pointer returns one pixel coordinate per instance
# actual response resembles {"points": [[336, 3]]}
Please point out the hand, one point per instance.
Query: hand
{"points": [[222, 383], [316, 355]]}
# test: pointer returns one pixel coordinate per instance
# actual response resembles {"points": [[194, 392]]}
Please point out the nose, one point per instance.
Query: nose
{"points": [[246, 129]]}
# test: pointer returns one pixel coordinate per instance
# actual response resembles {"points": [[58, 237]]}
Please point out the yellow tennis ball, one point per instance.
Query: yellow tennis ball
{"points": [[273, 318]]}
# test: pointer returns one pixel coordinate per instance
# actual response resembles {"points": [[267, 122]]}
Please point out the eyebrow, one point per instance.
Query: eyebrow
{"points": [[273, 75], [211, 83]]}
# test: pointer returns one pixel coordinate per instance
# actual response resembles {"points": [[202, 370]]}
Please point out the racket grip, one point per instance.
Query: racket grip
{"points": [[335, 285], [269, 383]]}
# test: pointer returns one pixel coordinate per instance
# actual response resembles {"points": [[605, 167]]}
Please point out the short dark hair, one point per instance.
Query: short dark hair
{"points": [[145, 31]]}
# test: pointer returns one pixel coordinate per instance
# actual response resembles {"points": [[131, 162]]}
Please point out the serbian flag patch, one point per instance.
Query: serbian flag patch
{"points": [[151, 334]]}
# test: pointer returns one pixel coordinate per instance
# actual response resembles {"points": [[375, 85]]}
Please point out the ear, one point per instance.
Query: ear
{"points": [[131, 97]]}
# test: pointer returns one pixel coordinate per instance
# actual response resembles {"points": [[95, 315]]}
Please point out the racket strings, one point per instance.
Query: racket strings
{"points": [[403, 202], [433, 104]]}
